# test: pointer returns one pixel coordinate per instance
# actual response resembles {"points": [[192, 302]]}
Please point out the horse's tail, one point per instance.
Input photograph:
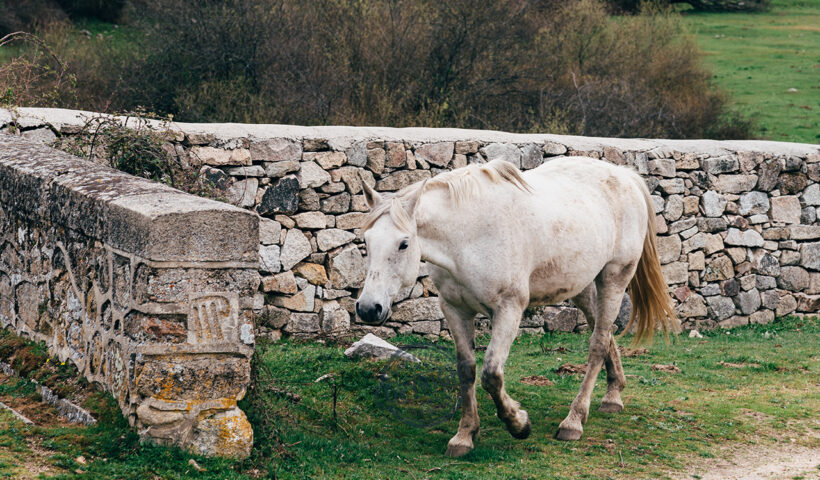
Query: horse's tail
{"points": [[647, 289]]}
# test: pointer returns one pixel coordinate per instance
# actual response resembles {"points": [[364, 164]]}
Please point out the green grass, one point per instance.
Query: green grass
{"points": [[670, 420], [758, 57]]}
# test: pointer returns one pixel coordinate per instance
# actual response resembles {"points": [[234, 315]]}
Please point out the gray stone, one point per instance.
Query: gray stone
{"points": [[693, 306], [429, 327], [765, 264], [721, 308], [811, 195], [309, 199], [295, 249], [665, 167], [710, 290], [719, 268], [793, 279], [282, 197], [804, 232], [682, 225], [276, 150], [326, 160], [761, 317], [334, 319], [531, 156], [810, 255], [763, 282], [251, 171], [672, 186], [402, 178], [724, 164], [677, 272], [336, 204], [311, 175], [332, 238], [808, 216], [270, 231], [668, 248], [269, 258], [558, 319], [371, 346], [808, 303], [40, 135], [303, 323], [747, 238], [502, 151], [674, 208], [789, 257], [280, 169], [786, 305], [347, 268], [243, 192], [792, 183], [753, 203], [713, 204], [749, 301], [357, 154], [735, 183], [769, 172], [417, 309], [310, 220], [376, 159], [438, 154], [553, 149], [712, 224], [734, 321], [219, 157], [466, 148], [785, 209]]}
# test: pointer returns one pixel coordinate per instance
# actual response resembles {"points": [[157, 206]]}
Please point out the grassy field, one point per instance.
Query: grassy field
{"points": [[758, 57], [393, 420]]}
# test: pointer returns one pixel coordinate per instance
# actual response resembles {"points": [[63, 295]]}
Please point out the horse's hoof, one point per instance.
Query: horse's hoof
{"points": [[522, 427], [567, 434], [611, 407], [457, 449]]}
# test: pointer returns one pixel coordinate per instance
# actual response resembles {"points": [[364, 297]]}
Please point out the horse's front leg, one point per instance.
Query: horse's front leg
{"points": [[462, 329], [505, 328]]}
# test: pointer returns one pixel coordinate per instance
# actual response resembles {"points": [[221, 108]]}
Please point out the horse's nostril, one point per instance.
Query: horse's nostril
{"points": [[378, 309]]}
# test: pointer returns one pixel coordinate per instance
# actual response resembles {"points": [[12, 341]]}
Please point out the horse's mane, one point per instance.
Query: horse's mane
{"points": [[462, 184]]}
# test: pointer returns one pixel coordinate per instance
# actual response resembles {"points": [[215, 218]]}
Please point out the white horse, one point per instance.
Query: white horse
{"points": [[499, 240]]}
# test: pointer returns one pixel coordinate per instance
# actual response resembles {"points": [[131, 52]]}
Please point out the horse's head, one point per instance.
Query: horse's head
{"points": [[393, 252]]}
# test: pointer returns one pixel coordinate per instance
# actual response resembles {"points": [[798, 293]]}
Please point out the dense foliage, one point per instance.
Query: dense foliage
{"points": [[518, 65]]}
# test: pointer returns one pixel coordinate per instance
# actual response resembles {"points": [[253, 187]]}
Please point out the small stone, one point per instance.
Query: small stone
{"points": [[697, 261], [690, 205], [785, 209], [218, 157], [735, 183], [682, 225], [350, 221], [438, 154], [769, 173], [808, 216], [808, 303], [719, 268], [315, 144], [311, 175], [357, 154], [810, 255], [692, 307], [729, 287], [721, 308], [792, 183], [332, 238], [308, 199], [337, 203], [674, 207], [734, 321], [467, 147], [763, 282], [376, 160], [531, 156], [310, 220], [793, 279], [737, 254], [282, 283], [713, 204], [665, 167], [677, 272], [761, 317], [270, 231], [282, 197], [252, 171], [787, 305], [811, 195], [668, 248], [695, 334], [712, 224], [269, 258], [347, 268], [747, 238], [295, 249], [243, 192], [754, 202], [748, 302], [696, 242], [371, 346], [334, 319], [276, 150], [303, 301], [714, 243], [280, 169], [553, 149], [402, 178], [312, 272], [326, 160], [804, 232], [303, 323], [724, 164], [502, 151], [672, 186]]}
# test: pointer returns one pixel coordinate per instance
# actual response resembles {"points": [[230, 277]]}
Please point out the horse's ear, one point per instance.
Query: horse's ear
{"points": [[412, 200], [371, 196]]}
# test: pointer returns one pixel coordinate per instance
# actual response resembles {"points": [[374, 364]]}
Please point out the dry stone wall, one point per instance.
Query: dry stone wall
{"points": [[147, 290], [739, 238]]}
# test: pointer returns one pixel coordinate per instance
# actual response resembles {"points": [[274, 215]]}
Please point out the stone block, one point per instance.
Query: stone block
{"points": [[438, 154], [502, 151], [810, 255], [276, 150], [785, 209]]}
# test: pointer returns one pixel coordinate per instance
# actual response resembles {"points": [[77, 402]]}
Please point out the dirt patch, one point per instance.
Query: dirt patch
{"points": [[633, 352], [30, 406], [738, 365], [572, 369], [665, 368], [537, 381], [758, 462]]}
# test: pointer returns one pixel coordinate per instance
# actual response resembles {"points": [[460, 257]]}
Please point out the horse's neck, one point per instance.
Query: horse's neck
{"points": [[432, 231]]}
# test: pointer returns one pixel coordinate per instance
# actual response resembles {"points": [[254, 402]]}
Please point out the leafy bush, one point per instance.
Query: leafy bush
{"points": [[518, 65], [697, 5]]}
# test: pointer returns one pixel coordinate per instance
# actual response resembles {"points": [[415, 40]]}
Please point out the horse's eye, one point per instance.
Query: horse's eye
{"points": [[403, 244]]}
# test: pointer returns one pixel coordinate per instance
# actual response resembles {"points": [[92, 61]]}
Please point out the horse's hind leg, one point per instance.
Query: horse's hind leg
{"points": [[602, 300], [615, 379], [462, 329], [505, 329]]}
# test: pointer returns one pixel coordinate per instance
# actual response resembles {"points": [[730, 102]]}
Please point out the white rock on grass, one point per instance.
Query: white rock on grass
{"points": [[371, 346]]}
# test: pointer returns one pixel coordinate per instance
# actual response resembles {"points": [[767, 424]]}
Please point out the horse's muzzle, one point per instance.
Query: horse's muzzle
{"points": [[372, 313]]}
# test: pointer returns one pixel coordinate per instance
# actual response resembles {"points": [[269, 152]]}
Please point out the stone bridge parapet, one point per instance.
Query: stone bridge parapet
{"points": [[147, 290]]}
